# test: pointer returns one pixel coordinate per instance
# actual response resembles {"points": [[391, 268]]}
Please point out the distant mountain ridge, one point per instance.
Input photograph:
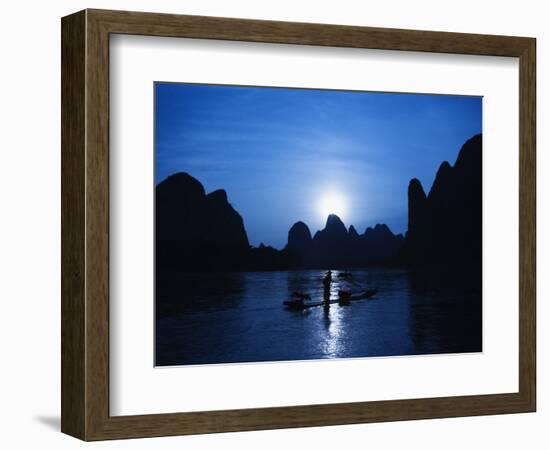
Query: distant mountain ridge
{"points": [[199, 231], [336, 246]]}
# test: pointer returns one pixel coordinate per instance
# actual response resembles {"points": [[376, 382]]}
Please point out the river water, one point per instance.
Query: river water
{"points": [[217, 318]]}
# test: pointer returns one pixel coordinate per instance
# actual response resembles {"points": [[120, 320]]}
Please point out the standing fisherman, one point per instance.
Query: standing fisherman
{"points": [[327, 280]]}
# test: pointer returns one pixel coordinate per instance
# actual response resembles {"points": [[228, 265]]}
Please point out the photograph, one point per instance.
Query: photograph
{"points": [[298, 224]]}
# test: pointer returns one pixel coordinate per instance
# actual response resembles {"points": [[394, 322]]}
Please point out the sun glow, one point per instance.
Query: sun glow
{"points": [[332, 203]]}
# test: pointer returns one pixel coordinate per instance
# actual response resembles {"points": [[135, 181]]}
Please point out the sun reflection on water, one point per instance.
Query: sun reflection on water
{"points": [[334, 326]]}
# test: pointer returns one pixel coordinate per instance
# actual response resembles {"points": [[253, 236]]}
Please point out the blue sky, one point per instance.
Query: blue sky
{"points": [[280, 153]]}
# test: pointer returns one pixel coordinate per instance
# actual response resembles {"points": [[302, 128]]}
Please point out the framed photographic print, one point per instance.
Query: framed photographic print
{"points": [[271, 224]]}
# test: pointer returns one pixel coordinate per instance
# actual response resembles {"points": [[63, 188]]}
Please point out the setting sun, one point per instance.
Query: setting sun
{"points": [[332, 203]]}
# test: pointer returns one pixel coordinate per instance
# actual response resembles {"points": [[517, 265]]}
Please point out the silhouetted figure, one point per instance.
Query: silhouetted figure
{"points": [[327, 280]]}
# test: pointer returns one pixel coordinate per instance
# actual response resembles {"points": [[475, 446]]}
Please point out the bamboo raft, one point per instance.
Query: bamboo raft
{"points": [[298, 305]]}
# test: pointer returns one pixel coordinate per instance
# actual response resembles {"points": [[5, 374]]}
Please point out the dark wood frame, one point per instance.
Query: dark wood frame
{"points": [[85, 224]]}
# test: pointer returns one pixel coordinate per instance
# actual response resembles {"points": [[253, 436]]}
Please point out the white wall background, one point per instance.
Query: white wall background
{"points": [[30, 221]]}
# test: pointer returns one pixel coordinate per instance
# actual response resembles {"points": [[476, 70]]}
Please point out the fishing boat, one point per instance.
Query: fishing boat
{"points": [[343, 299], [298, 305], [299, 295], [345, 275], [369, 293], [343, 295]]}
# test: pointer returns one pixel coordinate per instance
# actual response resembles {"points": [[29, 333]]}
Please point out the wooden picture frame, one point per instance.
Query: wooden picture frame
{"points": [[85, 224]]}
